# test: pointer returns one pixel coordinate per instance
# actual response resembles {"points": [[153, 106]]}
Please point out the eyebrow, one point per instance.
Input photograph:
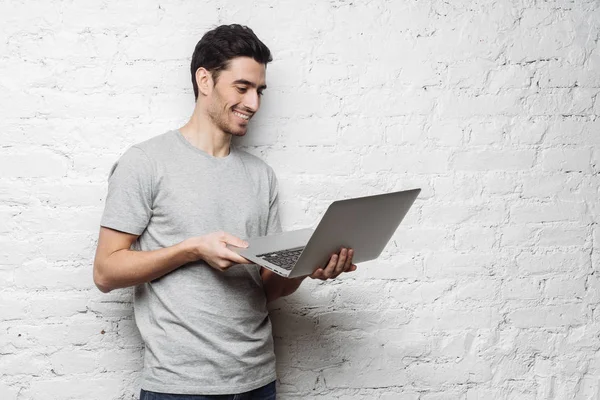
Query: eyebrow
{"points": [[251, 84]]}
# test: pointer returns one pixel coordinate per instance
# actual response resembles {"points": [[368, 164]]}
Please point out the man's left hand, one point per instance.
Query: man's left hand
{"points": [[338, 263]]}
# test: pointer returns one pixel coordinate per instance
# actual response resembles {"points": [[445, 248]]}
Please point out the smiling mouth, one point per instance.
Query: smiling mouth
{"points": [[242, 116]]}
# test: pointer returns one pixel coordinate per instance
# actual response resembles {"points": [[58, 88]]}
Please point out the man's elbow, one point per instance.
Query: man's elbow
{"points": [[100, 279]]}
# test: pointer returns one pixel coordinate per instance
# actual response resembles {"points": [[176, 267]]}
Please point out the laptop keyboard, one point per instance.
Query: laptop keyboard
{"points": [[285, 259]]}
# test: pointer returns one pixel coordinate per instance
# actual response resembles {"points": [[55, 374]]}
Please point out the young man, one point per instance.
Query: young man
{"points": [[174, 202]]}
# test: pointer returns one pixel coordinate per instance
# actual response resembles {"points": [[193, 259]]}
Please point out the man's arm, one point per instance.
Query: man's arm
{"points": [[116, 266], [277, 286]]}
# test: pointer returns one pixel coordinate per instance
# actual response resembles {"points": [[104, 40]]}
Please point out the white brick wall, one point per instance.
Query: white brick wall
{"points": [[490, 288]]}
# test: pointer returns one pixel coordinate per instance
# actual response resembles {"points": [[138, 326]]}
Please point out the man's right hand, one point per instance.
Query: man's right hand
{"points": [[117, 266], [212, 248]]}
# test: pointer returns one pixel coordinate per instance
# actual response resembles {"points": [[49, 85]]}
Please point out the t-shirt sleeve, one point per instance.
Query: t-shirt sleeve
{"points": [[273, 223], [128, 205]]}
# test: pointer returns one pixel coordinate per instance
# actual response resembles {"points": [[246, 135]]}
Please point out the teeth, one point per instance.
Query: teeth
{"points": [[246, 117]]}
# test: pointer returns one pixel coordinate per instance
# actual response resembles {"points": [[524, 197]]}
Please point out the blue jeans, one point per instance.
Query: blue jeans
{"points": [[267, 392]]}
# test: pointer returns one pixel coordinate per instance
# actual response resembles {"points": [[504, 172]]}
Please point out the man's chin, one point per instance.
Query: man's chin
{"points": [[238, 132]]}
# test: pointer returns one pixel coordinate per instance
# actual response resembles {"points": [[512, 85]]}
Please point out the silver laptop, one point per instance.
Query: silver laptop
{"points": [[364, 224]]}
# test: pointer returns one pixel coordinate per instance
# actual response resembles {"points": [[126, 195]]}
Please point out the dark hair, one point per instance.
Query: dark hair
{"points": [[224, 43]]}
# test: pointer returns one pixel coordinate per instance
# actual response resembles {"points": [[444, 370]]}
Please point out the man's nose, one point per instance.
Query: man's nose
{"points": [[252, 101]]}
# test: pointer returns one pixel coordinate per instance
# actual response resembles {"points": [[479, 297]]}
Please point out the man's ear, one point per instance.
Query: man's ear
{"points": [[204, 81]]}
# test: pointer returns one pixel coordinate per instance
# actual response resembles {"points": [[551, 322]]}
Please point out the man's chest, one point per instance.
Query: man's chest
{"points": [[196, 203]]}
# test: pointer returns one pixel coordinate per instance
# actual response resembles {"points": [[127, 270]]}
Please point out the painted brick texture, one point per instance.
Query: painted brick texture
{"points": [[490, 288]]}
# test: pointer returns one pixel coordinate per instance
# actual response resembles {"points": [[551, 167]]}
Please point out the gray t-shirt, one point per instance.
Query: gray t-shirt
{"points": [[205, 331]]}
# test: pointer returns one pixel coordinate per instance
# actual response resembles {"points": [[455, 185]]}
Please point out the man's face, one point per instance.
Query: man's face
{"points": [[235, 97]]}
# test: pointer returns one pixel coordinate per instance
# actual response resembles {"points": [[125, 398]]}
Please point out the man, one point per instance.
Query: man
{"points": [[174, 202]]}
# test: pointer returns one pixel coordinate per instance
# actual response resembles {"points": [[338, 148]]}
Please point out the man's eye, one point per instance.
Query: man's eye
{"points": [[260, 93], [241, 90]]}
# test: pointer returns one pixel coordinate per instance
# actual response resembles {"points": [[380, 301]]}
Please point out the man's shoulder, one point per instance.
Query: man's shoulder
{"points": [[156, 145], [254, 161]]}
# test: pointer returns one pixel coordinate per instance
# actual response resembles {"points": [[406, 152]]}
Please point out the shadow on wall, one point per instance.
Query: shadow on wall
{"points": [[320, 348]]}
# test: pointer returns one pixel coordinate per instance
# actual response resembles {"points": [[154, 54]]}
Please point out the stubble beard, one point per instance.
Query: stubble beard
{"points": [[220, 117]]}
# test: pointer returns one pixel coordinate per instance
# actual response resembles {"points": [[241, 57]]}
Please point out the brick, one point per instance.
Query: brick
{"points": [[294, 161], [521, 289], [469, 74], [481, 290], [493, 160], [8, 392], [304, 104], [525, 212], [50, 276], [112, 308], [358, 131], [565, 287], [87, 330], [457, 187], [65, 246], [79, 220], [436, 374], [510, 77], [105, 387], [565, 235], [363, 321], [381, 103], [401, 266], [419, 292], [479, 393], [548, 316], [451, 319], [573, 131], [57, 305], [483, 133], [421, 238], [135, 74], [121, 360], [446, 214], [404, 160], [33, 164], [75, 194], [446, 133], [555, 75], [549, 262], [577, 101], [404, 130], [386, 373], [567, 160], [448, 394], [451, 264], [474, 238], [30, 363], [530, 131], [69, 362], [13, 306], [313, 132], [552, 185], [461, 104]]}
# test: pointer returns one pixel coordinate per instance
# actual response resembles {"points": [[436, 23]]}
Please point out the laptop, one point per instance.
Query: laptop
{"points": [[364, 224]]}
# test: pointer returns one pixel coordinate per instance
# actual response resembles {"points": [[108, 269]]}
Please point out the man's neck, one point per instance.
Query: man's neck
{"points": [[201, 133]]}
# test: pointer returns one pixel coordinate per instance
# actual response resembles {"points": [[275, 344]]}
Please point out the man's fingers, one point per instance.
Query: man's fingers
{"points": [[231, 256], [233, 240], [341, 263], [236, 258], [329, 270], [318, 274], [348, 263]]}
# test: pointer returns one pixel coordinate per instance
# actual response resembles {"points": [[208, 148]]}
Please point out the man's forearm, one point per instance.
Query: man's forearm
{"points": [[277, 286], [126, 267]]}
